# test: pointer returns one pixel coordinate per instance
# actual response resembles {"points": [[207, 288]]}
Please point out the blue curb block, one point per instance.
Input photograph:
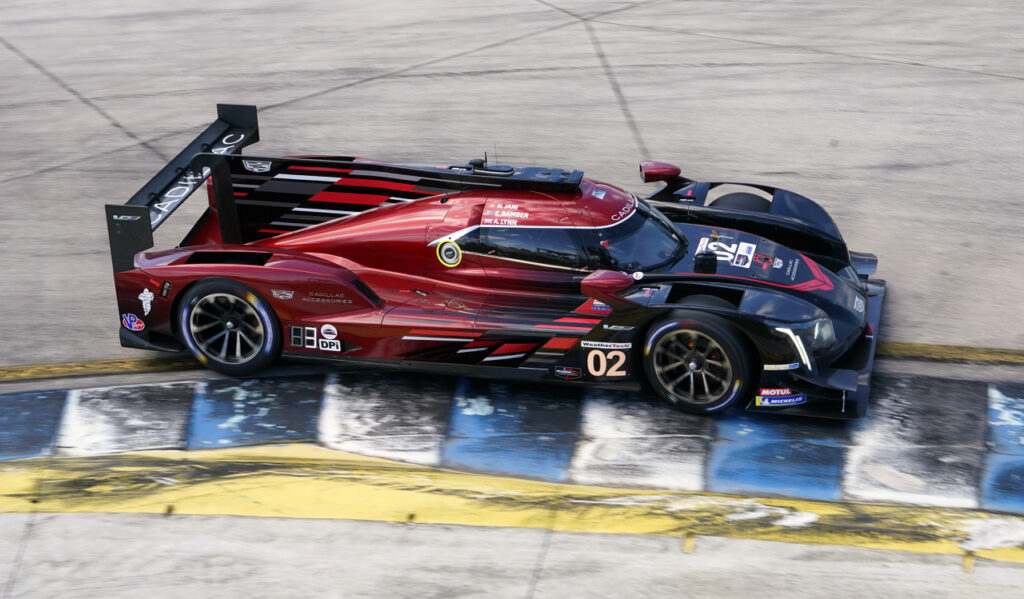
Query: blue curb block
{"points": [[754, 454], [511, 429], [29, 422], [227, 413], [1002, 483]]}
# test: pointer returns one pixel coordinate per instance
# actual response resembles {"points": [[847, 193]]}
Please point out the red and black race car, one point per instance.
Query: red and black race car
{"points": [[708, 293]]}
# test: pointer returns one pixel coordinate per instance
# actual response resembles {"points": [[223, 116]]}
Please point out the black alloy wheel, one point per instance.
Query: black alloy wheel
{"points": [[698, 362], [228, 327]]}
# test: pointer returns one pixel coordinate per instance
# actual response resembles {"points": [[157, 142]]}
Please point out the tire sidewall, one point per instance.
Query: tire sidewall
{"points": [[272, 336], [732, 343]]}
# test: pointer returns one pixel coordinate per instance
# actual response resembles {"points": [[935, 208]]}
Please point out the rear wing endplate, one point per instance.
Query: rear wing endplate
{"points": [[130, 226]]}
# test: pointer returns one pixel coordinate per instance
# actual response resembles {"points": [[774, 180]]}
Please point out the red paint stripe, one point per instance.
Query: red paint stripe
{"points": [[560, 343], [444, 332], [357, 182], [579, 320], [513, 348], [272, 231], [820, 281], [349, 198], [479, 343], [320, 168], [561, 326]]}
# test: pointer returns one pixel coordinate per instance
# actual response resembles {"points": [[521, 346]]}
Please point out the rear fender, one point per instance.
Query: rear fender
{"points": [[297, 287]]}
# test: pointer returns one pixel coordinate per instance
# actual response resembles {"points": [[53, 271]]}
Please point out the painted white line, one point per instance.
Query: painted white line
{"points": [[621, 444], [359, 415], [126, 418]]}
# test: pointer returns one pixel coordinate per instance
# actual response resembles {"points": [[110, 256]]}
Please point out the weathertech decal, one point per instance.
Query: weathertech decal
{"points": [[605, 345]]}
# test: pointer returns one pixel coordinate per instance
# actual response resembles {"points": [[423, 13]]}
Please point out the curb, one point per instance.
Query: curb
{"points": [[305, 481]]}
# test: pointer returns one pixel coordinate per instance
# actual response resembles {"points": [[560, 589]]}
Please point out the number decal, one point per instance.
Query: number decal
{"points": [[617, 359], [600, 363]]}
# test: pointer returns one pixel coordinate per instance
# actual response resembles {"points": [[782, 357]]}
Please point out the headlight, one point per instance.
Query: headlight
{"points": [[809, 336], [816, 334]]}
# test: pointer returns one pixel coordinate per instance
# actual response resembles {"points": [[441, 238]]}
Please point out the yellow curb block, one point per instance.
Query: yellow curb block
{"points": [[925, 351], [95, 367], [306, 481]]}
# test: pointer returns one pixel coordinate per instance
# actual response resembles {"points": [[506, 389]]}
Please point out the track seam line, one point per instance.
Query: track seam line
{"points": [[81, 98], [810, 49], [620, 96]]}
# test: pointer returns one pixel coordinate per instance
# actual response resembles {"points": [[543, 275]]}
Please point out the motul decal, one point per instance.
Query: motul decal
{"points": [[775, 392]]}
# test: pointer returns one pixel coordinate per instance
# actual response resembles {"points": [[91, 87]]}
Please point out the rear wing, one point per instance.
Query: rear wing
{"points": [[130, 226], [255, 197]]}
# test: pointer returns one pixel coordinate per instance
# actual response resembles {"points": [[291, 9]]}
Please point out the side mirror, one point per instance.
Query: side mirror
{"points": [[705, 263], [603, 285], [651, 170]]}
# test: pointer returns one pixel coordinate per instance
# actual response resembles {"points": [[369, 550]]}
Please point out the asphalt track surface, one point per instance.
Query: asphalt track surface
{"points": [[904, 120]]}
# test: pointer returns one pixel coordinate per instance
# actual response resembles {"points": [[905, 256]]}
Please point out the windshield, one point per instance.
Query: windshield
{"points": [[645, 240]]}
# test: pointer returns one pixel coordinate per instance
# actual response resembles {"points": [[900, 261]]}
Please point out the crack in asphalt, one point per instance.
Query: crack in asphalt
{"points": [[808, 49], [82, 99]]}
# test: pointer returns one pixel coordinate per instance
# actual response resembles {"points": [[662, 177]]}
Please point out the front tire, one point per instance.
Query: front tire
{"points": [[698, 362], [228, 327]]}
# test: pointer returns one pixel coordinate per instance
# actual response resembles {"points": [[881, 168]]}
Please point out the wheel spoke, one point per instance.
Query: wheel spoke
{"points": [[247, 340], [224, 346], [704, 377], [202, 328], [678, 380], [720, 380], [216, 337]]}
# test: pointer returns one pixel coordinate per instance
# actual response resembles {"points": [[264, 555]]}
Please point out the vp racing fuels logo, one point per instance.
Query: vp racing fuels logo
{"points": [[132, 322]]}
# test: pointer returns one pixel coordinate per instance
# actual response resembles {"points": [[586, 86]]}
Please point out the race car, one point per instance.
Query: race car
{"points": [[708, 294]]}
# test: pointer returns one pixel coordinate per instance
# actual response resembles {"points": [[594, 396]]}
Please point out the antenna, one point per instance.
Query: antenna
{"points": [[496, 161], [485, 158]]}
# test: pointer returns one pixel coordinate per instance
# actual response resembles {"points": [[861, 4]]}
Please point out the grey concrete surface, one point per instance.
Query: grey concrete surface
{"points": [[124, 555], [891, 115]]}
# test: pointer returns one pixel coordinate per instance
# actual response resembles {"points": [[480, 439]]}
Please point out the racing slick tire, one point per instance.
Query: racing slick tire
{"points": [[228, 327], [698, 362], [743, 201]]}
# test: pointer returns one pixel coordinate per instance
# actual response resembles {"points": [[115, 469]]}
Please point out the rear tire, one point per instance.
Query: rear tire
{"points": [[698, 362], [743, 201], [228, 327]]}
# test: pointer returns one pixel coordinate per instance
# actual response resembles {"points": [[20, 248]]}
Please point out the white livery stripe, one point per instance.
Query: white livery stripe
{"points": [[472, 349], [507, 357], [416, 338], [308, 178], [324, 211]]}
